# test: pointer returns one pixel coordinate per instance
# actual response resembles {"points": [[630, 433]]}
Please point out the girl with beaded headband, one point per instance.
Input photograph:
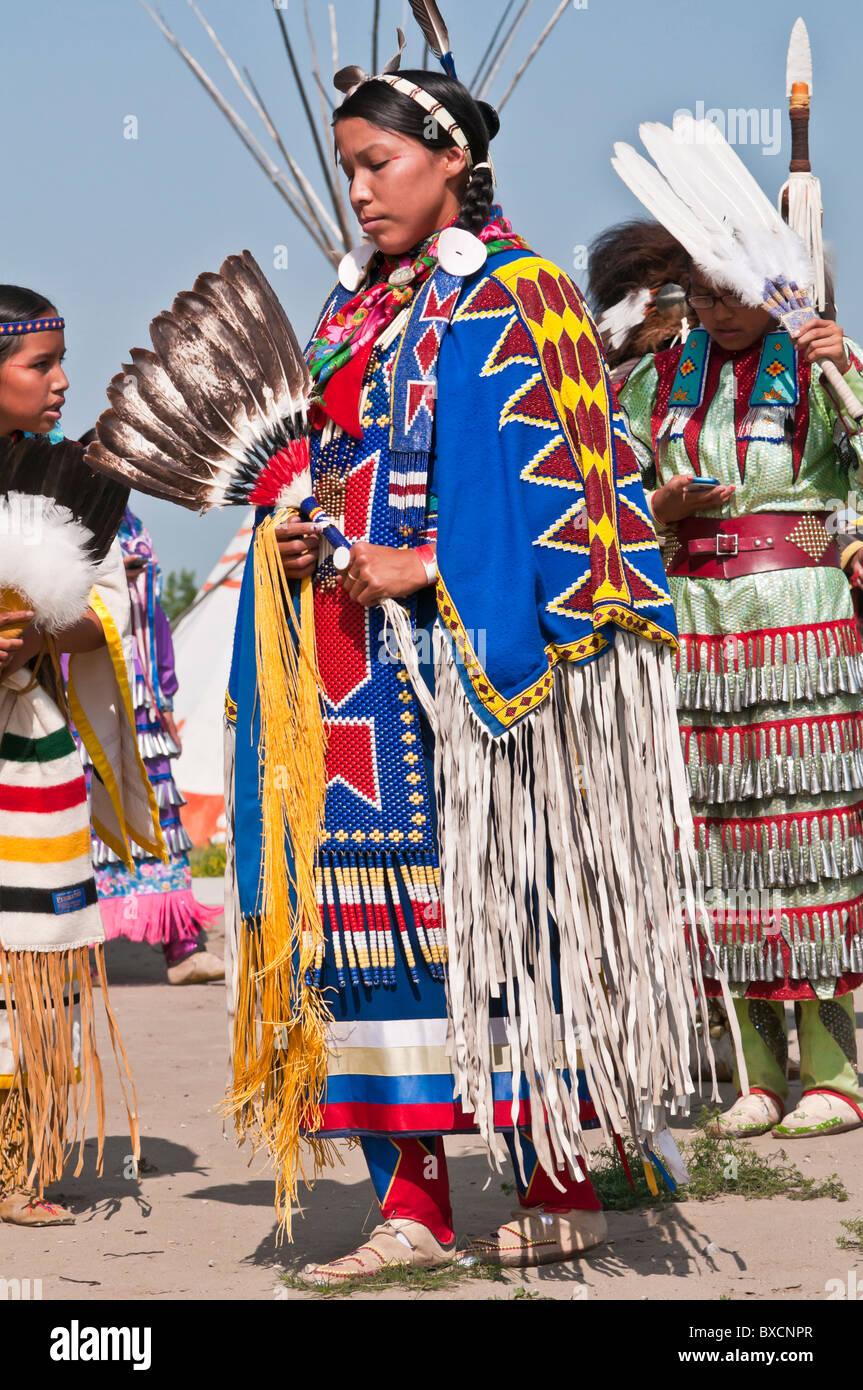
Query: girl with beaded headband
{"points": [[49, 915], [464, 437]]}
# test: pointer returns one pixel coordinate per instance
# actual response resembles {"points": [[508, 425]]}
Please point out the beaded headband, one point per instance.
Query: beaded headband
{"points": [[437, 112], [348, 79], [459, 252], [32, 326]]}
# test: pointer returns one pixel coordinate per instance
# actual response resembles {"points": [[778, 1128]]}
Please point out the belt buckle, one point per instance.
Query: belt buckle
{"points": [[726, 545]]}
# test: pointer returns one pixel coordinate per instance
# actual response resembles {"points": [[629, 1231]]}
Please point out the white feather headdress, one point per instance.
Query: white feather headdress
{"points": [[701, 191], [704, 195]]}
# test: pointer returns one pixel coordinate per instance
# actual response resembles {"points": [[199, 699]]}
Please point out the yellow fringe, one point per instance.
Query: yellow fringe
{"points": [[38, 1125], [280, 1025], [650, 1175], [13, 1141]]}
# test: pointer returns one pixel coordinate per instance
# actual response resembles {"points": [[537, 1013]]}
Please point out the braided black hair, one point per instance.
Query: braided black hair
{"points": [[477, 201], [18, 305], [381, 105]]}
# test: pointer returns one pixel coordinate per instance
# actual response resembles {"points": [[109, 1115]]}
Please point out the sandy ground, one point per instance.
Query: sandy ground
{"points": [[198, 1224]]}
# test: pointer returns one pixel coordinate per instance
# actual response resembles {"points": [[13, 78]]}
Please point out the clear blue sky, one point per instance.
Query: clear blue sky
{"points": [[112, 228]]}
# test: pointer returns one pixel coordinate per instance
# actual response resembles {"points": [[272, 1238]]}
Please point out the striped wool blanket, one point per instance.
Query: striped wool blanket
{"points": [[49, 915], [47, 891]]}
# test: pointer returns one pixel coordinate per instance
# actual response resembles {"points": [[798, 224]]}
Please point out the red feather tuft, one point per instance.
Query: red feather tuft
{"points": [[287, 478]]}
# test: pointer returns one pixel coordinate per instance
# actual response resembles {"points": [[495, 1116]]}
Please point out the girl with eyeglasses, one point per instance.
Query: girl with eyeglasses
{"points": [[745, 452]]}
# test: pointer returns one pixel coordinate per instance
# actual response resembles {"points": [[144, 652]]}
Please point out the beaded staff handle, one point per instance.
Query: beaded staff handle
{"points": [[798, 111], [790, 306], [396, 617], [311, 510]]}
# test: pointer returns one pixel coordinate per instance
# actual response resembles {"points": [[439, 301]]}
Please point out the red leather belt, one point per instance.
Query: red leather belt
{"points": [[704, 548]]}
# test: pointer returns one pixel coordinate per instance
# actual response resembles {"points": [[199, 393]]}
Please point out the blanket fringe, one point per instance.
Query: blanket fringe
{"points": [[599, 765], [55, 1052]]}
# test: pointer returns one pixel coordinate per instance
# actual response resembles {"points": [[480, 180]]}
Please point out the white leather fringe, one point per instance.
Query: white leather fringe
{"points": [[565, 826]]}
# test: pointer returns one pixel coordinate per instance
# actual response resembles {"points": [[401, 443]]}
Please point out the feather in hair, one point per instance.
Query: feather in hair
{"points": [[349, 78], [654, 192], [618, 321], [430, 20]]}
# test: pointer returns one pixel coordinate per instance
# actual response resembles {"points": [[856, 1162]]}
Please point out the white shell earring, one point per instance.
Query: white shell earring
{"points": [[459, 252], [352, 267]]}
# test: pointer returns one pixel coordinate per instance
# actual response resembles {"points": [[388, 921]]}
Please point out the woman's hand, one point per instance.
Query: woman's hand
{"points": [[11, 646], [675, 500], [377, 572], [14, 651], [821, 339], [855, 571], [298, 546]]}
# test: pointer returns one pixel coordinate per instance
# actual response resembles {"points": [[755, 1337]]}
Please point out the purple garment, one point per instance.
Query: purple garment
{"points": [[165, 653], [154, 902]]}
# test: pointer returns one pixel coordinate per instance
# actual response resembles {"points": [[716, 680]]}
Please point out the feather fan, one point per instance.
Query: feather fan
{"points": [[704, 195], [217, 413], [57, 522], [197, 419]]}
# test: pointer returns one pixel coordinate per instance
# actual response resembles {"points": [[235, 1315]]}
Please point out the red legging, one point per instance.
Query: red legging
{"points": [[410, 1180]]}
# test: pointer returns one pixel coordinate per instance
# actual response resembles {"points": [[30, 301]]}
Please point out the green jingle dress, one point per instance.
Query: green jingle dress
{"points": [[770, 689]]}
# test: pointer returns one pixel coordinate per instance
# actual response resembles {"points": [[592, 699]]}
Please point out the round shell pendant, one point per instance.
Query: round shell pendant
{"points": [[352, 267], [459, 252]]}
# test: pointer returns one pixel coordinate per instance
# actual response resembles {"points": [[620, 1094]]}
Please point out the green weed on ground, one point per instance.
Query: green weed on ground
{"points": [[401, 1277], [717, 1168], [854, 1239]]}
